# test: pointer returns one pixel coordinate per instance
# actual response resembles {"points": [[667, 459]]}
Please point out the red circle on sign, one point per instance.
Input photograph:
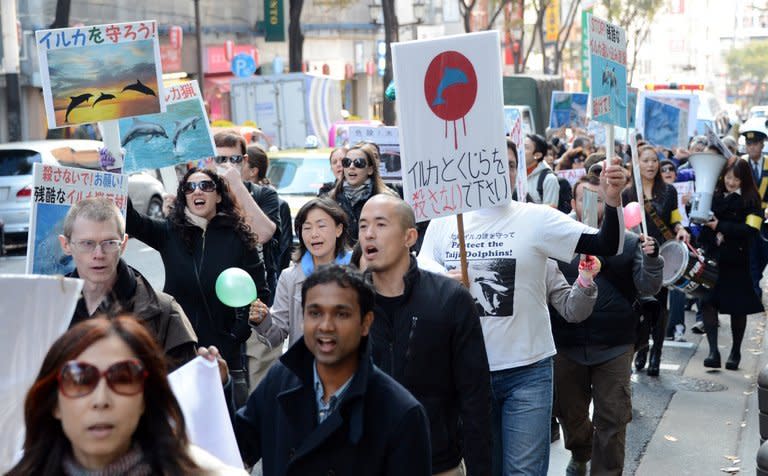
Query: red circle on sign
{"points": [[450, 85]]}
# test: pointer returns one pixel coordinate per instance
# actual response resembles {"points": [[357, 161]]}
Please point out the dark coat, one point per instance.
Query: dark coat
{"points": [[353, 212], [733, 293], [434, 347], [190, 277], [378, 428], [269, 203], [158, 311]]}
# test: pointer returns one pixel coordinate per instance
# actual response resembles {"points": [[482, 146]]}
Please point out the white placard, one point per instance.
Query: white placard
{"points": [[387, 138]]}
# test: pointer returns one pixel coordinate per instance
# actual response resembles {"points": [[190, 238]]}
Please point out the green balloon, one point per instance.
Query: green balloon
{"points": [[235, 287]]}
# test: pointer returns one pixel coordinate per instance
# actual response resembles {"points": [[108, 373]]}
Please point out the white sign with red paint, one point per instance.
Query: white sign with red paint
{"points": [[451, 118]]}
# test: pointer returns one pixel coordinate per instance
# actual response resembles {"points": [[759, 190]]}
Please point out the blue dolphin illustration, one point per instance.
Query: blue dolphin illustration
{"points": [[451, 77]]}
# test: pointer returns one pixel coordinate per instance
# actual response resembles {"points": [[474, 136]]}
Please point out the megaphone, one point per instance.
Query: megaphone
{"points": [[707, 167]]}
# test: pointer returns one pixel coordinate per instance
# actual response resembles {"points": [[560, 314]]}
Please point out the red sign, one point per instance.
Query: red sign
{"points": [[216, 57], [450, 88], [176, 36], [170, 58]]}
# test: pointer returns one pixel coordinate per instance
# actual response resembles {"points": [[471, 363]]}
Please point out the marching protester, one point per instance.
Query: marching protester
{"points": [[205, 234], [361, 180], [94, 235], [664, 223], [325, 408], [507, 281], [594, 357], [102, 405], [542, 182], [322, 225], [427, 336], [727, 239]]}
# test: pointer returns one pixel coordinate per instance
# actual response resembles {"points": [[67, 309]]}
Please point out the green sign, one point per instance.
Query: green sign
{"points": [[274, 27], [584, 49]]}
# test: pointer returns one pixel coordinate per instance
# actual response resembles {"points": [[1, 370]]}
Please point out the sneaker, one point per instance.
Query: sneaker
{"points": [[576, 468], [679, 333], [698, 328]]}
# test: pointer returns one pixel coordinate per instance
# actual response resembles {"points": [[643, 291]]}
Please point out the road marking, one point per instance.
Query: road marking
{"points": [[672, 343], [672, 367]]}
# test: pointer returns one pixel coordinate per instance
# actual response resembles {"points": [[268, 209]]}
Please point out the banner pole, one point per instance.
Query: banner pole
{"points": [[462, 250]]}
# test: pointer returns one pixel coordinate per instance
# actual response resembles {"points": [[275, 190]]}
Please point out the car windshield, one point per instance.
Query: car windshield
{"points": [[299, 175], [17, 162]]}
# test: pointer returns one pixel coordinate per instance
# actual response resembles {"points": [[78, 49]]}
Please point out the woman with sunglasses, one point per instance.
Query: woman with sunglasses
{"points": [[322, 225], [101, 404], [360, 182], [204, 235], [664, 223]]}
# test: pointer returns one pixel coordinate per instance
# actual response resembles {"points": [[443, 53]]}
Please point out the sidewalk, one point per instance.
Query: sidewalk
{"points": [[706, 429]]}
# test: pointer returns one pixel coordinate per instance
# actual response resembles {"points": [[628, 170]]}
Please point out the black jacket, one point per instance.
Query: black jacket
{"points": [[378, 428], [269, 203], [434, 347], [353, 213], [613, 320], [190, 277], [159, 312], [664, 203]]}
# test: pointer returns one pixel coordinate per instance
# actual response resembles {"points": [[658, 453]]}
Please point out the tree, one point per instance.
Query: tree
{"points": [[750, 64], [295, 36], [636, 18]]}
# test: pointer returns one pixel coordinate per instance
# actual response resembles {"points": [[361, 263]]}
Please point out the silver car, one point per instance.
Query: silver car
{"points": [[16, 159]]}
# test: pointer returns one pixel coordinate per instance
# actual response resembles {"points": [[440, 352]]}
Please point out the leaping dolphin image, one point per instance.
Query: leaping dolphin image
{"points": [[609, 77], [182, 126], [451, 77], [75, 101], [143, 129], [138, 86], [103, 97]]}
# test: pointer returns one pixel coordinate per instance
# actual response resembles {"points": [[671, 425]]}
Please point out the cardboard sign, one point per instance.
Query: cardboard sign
{"points": [[513, 125], [98, 73], [568, 110], [450, 109], [179, 135], [608, 72], [386, 137], [55, 190]]}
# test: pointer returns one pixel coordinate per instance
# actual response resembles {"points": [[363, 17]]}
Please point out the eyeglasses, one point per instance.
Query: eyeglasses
{"points": [[78, 379], [203, 185], [667, 168], [359, 163], [89, 246], [235, 159]]}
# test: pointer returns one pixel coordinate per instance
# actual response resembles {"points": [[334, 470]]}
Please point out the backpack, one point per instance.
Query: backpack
{"points": [[565, 195]]}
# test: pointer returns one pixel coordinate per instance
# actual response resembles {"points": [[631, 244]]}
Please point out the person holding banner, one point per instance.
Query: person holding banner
{"points": [[507, 251], [94, 235], [755, 134], [204, 235], [101, 404]]}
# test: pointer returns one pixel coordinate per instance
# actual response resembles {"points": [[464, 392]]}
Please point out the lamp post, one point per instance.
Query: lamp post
{"points": [[391, 33], [199, 41]]}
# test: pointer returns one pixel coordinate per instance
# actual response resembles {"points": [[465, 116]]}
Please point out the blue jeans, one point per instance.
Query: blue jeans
{"points": [[520, 420]]}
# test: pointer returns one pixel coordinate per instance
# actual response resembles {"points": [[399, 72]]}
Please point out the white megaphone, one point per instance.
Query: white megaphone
{"points": [[707, 167]]}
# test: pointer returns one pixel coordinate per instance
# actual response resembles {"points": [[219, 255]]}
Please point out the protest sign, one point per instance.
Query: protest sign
{"points": [[55, 190], [572, 175], [99, 73], [386, 137], [664, 124], [34, 312], [450, 110], [179, 135], [513, 126], [684, 192], [608, 72], [631, 107], [568, 110], [688, 103]]}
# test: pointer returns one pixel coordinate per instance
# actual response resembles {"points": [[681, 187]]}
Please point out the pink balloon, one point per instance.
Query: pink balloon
{"points": [[633, 214]]}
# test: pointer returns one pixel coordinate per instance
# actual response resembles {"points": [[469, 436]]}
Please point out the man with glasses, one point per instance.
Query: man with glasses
{"points": [[94, 235], [755, 133]]}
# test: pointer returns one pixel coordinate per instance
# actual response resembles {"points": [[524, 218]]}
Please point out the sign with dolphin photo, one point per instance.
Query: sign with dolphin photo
{"points": [[607, 72], [179, 135], [98, 73]]}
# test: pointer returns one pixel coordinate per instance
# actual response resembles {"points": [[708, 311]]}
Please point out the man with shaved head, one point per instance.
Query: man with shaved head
{"points": [[426, 334]]}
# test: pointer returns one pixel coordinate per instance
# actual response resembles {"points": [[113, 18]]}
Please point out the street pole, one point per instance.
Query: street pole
{"points": [[199, 41], [390, 35], [10, 67]]}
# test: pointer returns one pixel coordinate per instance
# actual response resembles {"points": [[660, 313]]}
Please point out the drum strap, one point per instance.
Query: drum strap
{"points": [[658, 221]]}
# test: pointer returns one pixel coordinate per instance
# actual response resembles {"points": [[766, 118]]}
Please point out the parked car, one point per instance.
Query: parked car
{"points": [[16, 159]]}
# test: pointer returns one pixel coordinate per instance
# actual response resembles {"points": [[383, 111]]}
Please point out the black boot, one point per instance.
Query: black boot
{"points": [[733, 360], [654, 362], [640, 358], [658, 331], [710, 327], [713, 360], [738, 326]]}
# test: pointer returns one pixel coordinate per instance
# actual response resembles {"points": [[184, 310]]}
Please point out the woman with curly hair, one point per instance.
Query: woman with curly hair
{"points": [[205, 234], [101, 404]]}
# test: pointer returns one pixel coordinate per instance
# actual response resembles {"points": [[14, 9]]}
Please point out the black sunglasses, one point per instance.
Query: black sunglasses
{"points": [[235, 159], [667, 168], [359, 163], [203, 185], [78, 379]]}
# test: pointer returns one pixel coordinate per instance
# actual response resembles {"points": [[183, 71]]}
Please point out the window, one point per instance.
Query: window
{"points": [[15, 162]]}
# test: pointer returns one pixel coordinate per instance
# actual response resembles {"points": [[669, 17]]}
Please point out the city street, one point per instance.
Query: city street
{"points": [[686, 422]]}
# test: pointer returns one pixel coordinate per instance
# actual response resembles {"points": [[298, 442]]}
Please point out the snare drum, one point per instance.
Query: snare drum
{"points": [[687, 269]]}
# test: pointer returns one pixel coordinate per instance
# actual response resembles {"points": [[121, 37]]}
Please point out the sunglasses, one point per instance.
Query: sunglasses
{"points": [[235, 159], [359, 163], [667, 168], [203, 185], [78, 379]]}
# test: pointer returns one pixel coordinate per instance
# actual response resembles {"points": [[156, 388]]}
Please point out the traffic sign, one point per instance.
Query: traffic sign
{"points": [[243, 65]]}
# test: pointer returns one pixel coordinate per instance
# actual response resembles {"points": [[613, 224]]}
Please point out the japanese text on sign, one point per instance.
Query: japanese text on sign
{"points": [[96, 35], [180, 92], [601, 105], [67, 186], [607, 41]]}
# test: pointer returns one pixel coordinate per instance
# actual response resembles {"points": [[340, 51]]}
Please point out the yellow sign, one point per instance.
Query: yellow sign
{"points": [[552, 21]]}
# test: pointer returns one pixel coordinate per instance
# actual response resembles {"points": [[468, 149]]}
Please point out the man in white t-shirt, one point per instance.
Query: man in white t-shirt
{"points": [[507, 250]]}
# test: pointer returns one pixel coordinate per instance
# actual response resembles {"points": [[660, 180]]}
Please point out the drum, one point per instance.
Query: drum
{"points": [[687, 269]]}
